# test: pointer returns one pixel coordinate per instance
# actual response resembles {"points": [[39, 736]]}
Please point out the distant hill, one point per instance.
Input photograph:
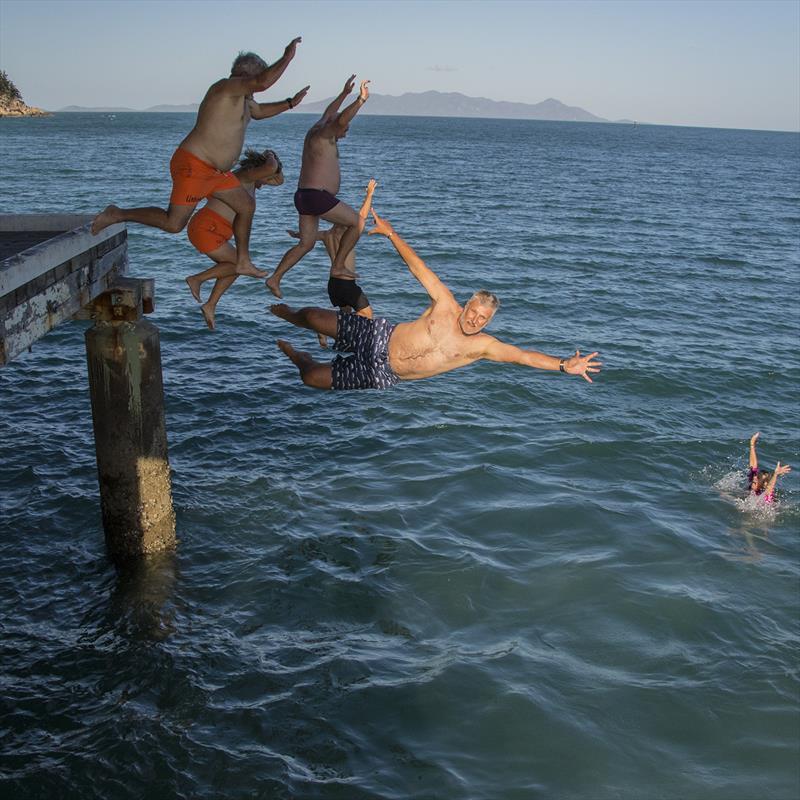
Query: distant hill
{"points": [[98, 109], [455, 104], [420, 104], [162, 109]]}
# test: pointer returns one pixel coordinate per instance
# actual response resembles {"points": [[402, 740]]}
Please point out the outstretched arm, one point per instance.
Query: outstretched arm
{"points": [[346, 116], [333, 107], [779, 470], [366, 205], [509, 354], [427, 277], [265, 110], [753, 456], [264, 79]]}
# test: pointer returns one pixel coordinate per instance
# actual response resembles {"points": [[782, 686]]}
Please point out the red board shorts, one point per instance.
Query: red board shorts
{"points": [[193, 179], [208, 230]]}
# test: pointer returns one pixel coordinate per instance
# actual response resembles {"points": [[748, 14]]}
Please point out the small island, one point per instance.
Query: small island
{"points": [[11, 102]]}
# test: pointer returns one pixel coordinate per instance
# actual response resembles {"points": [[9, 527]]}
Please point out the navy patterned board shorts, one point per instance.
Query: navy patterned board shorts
{"points": [[368, 340]]}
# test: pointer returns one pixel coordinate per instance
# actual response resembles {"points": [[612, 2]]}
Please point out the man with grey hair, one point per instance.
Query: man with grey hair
{"points": [[446, 336], [201, 165]]}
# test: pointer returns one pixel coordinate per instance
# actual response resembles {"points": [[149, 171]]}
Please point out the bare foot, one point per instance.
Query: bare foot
{"points": [[323, 340], [274, 286], [248, 268], [297, 357], [281, 310], [208, 313], [194, 287], [108, 216]]}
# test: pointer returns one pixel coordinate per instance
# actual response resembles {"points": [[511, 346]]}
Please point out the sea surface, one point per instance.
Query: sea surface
{"points": [[496, 584]]}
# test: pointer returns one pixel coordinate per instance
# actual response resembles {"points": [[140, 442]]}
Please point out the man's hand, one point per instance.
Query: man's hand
{"points": [[782, 470], [582, 365], [298, 98], [754, 439], [349, 84], [382, 226], [292, 47], [371, 187], [293, 234], [363, 93]]}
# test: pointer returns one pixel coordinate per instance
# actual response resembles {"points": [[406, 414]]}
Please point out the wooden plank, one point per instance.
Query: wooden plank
{"points": [[43, 222], [26, 322], [19, 269]]}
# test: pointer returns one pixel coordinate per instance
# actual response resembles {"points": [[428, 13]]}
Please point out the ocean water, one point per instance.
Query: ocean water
{"points": [[497, 584]]}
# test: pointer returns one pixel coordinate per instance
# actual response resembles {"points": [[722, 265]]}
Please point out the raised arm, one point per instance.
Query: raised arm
{"points": [[265, 110], [509, 354], [769, 492], [366, 205], [346, 117], [753, 456], [333, 107], [264, 79], [427, 277]]}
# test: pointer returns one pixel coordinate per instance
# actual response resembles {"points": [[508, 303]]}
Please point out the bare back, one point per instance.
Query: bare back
{"points": [[218, 133], [434, 343], [320, 169]]}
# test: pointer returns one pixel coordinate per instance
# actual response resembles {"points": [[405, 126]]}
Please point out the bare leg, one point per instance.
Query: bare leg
{"points": [[342, 214], [320, 320], [308, 238], [244, 206], [209, 308], [312, 373], [225, 273], [173, 220]]}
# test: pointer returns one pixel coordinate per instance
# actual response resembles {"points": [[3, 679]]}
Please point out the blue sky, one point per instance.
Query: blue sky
{"points": [[721, 63]]}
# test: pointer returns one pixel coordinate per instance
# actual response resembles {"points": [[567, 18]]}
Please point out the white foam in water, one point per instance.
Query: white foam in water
{"points": [[732, 485]]}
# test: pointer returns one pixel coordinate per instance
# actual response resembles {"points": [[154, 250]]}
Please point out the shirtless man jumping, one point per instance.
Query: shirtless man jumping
{"points": [[318, 184], [446, 336], [200, 167]]}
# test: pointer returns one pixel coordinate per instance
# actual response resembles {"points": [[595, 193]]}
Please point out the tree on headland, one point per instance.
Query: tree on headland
{"points": [[7, 89]]}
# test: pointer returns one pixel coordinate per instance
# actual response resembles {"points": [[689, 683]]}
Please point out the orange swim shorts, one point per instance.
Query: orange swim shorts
{"points": [[193, 179], [208, 230]]}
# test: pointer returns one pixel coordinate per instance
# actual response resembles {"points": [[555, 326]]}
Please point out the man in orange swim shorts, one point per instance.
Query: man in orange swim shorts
{"points": [[201, 165], [210, 229]]}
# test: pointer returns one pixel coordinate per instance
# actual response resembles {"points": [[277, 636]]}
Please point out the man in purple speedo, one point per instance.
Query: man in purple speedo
{"points": [[318, 184]]}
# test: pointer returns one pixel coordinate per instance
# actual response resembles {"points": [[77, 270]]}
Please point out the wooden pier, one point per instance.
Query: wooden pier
{"points": [[53, 270]]}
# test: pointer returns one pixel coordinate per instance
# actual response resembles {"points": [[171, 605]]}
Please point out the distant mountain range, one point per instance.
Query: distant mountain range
{"points": [[421, 104]]}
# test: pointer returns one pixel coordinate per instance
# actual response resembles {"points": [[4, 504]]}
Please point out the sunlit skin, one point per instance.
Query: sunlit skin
{"points": [[217, 139], [320, 170], [444, 337], [224, 272]]}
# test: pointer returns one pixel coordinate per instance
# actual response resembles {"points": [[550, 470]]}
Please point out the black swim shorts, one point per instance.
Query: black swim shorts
{"points": [[314, 202], [368, 340], [344, 292]]}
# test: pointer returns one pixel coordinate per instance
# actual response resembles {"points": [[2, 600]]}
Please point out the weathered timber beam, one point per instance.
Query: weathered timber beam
{"points": [[23, 323], [20, 268]]}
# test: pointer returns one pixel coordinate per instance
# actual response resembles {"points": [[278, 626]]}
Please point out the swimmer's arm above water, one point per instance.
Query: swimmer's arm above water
{"points": [[509, 354], [753, 456], [266, 110], [437, 291], [773, 481]]}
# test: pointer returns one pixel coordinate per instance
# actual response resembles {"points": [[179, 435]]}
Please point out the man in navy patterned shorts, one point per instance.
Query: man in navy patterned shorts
{"points": [[445, 336]]}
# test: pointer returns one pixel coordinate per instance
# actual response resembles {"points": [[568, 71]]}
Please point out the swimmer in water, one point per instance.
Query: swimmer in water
{"points": [[762, 482]]}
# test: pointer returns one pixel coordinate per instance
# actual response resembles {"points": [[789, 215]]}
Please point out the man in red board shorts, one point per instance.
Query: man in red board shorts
{"points": [[201, 165], [319, 183]]}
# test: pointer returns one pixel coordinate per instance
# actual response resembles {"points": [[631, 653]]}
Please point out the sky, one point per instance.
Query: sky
{"points": [[722, 63]]}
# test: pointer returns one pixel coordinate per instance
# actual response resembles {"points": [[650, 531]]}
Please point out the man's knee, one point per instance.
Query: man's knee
{"points": [[306, 245]]}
